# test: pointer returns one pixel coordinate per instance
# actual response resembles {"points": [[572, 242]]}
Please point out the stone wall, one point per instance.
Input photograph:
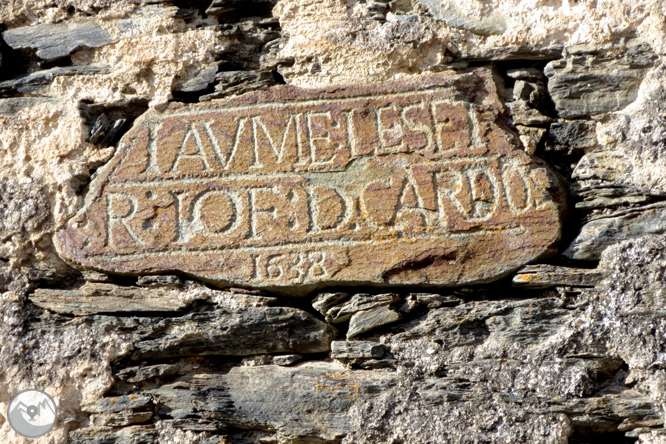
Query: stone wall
{"points": [[479, 333]]}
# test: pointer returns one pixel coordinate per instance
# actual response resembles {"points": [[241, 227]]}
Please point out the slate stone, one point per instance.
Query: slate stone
{"points": [[434, 300], [118, 404], [359, 302], [167, 280], [588, 82], [109, 435], [356, 349], [543, 276], [571, 136], [325, 302], [200, 82], [219, 332], [236, 194], [287, 360], [12, 105], [56, 40], [100, 297], [524, 113], [366, 320], [527, 74], [31, 83], [598, 234], [307, 401], [531, 137]]}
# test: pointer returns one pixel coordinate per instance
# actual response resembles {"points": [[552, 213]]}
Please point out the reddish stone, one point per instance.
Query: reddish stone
{"points": [[414, 182]]}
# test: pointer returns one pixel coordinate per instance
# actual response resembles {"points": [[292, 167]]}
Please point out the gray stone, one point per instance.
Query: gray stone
{"points": [[24, 208], [366, 320], [598, 234], [118, 404], [601, 169], [149, 373], [108, 435], [253, 361], [527, 74], [324, 302], [287, 360], [532, 92], [104, 131], [571, 136], [96, 276], [200, 82], [543, 276], [167, 280], [120, 411], [252, 331], [596, 199], [12, 105], [525, 114], [238, 82], [588, 82], [356, 349], [53, 41], [531, 137], [33, 83], [157, 294], [237, 7], [309, 401], [101, 297], [434, 300], [359, 302]]}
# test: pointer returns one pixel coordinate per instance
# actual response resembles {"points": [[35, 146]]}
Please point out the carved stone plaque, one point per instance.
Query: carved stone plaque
{"points": [[413, 182]]}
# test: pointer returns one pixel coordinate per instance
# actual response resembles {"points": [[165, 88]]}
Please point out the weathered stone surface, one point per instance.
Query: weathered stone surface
{"points": [[571, 136], [107, 435], [540, 276], [598, 234], [366, 320], [221, 332], [588, 82], [525, 114], [96, 297], [31, 83], [631, 145], [290, 187], [358, 302], [53, 41], [43, 161], [356, 349], [496, 363], [287, 360], [531, 137], [307, 401]]}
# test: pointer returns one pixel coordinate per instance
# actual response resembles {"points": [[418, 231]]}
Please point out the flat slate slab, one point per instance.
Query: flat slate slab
{"points": [[415, 182]]}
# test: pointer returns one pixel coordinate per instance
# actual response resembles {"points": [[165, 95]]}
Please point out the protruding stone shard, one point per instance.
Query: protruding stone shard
{"points": [[356, 349], [543, 276], [54, 41], [414, 182], [590, 81], [103, 297]]}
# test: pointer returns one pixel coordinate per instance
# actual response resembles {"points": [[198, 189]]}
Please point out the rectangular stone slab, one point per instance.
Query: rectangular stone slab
{"points": [[415, 182]]}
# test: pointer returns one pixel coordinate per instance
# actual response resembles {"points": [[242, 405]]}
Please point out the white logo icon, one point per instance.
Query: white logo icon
{"points": [[32, 413]]}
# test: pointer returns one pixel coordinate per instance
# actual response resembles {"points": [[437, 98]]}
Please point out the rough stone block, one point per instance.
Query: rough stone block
{"points": [[356, 349], [410, 182], [589, 82]]}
